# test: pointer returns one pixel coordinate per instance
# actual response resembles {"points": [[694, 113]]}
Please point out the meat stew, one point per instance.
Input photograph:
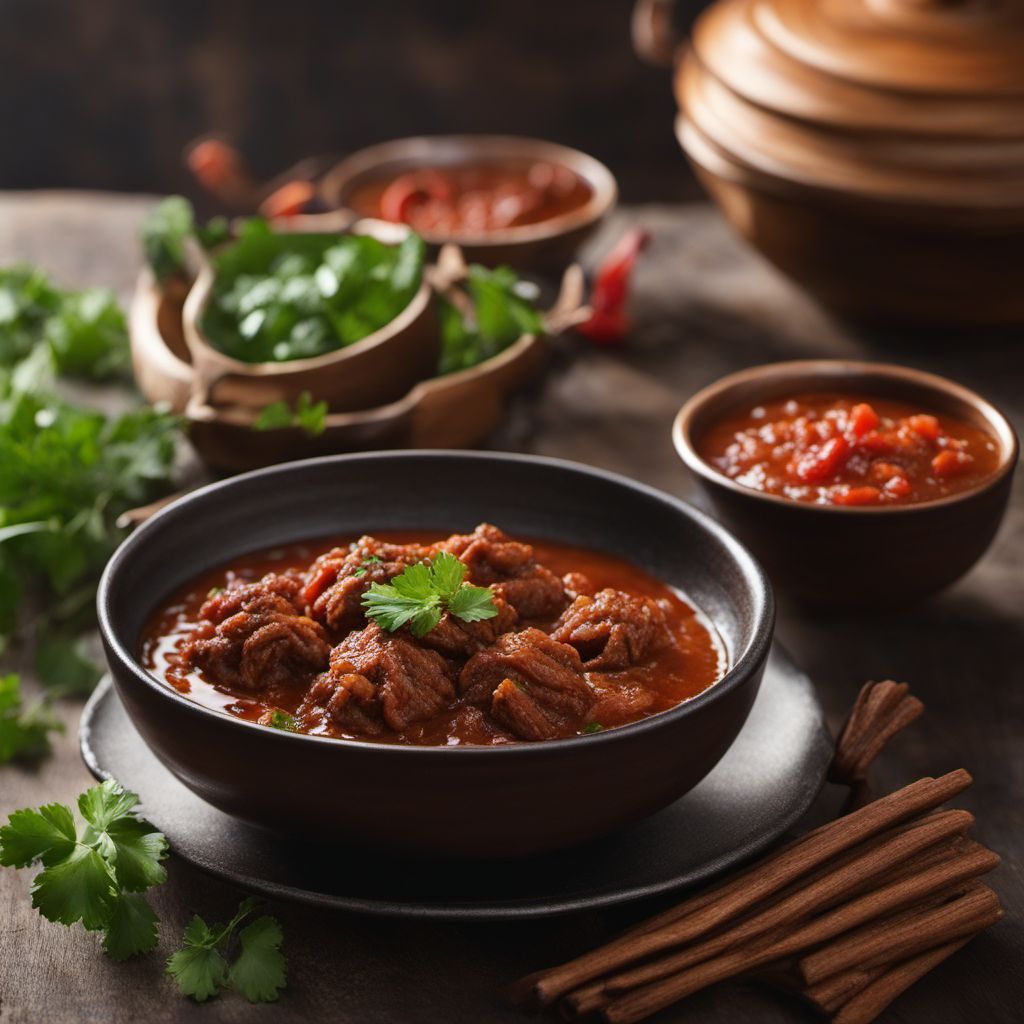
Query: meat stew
{"points": [[477, 639]]}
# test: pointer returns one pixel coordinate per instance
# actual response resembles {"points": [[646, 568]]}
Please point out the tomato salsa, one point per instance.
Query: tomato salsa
{"points": [[513, 641], [835, 449], [473, 198]]}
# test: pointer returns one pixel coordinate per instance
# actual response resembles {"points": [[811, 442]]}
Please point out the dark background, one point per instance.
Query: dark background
{"points": [[105, 93]]}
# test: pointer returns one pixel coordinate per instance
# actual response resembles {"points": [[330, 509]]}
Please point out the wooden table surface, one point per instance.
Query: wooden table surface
{"points": [[704, 306]]}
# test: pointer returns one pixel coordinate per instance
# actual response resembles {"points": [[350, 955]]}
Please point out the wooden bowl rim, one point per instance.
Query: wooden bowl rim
{"points": [[453, 149], [832, 372]]}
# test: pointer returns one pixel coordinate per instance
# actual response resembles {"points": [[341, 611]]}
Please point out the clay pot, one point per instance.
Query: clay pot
{"points": [[872, 149]]}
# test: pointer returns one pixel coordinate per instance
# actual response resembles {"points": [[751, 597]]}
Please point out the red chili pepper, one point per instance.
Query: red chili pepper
{"points": [[609, 324], [289, 200], [413, 189]]}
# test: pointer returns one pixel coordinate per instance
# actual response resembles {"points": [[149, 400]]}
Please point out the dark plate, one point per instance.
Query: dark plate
{"points": [[765, 782]]}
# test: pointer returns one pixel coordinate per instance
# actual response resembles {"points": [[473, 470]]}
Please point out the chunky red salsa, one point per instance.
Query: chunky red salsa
{"points": [[471, 199], [833, 449], [573, 641]]}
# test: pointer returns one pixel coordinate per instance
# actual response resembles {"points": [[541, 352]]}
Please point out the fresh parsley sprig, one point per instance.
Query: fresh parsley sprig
{"points": [[420, 595], [308, 415], [201, 968], [94, 871]]}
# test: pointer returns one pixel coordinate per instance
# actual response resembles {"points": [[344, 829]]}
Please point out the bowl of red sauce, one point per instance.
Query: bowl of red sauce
{"points": [[503, 199], [856, 484], [605, 657]]}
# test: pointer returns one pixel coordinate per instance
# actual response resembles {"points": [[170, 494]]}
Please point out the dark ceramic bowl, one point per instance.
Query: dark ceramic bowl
{"points": [[853, 557], [446, 801]]}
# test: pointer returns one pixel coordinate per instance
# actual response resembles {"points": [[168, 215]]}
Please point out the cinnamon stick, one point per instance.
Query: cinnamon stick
{"points": [[875, 997], [828, 889], [976, 908], [698, 916], [648, 999]]}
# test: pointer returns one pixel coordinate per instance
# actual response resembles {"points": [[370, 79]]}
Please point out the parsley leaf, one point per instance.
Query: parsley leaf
{"points": [[164, 233], [310, 416], [24, 731], [201, 969], [92, 872], [278, 719], [259, 972], [503, 310], [364, 566], [421, 594]]}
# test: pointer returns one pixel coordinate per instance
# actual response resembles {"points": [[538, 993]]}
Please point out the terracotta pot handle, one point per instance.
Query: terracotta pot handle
{"points": [[654, 38]]}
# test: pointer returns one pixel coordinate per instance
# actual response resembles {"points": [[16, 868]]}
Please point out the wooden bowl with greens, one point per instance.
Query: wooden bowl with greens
{"points": [[488, 339]]}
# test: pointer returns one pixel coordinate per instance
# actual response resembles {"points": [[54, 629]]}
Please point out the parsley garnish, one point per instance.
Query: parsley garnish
{"points": [[364, 566], [282, 720], [310, 416], [94, 871], [592, 727], [201, 969], [24, 731], [421, 594]]}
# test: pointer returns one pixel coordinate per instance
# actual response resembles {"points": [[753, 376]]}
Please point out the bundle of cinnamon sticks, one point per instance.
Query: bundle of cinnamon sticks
{"points": [[849, 915]]}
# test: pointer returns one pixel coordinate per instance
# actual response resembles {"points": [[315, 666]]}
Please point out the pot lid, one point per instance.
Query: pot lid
{"points": [[917, 99]]}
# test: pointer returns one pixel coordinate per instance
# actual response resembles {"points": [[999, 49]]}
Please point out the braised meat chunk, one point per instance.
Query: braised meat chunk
{"points": [[510, 568], [380, 680], [613, 630], [533, 684], [457, 639], [255, 636], [336, 581]]}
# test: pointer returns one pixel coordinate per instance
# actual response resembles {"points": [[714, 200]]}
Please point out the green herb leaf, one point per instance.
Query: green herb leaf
{"points": [[472, 604], [502, 313], [420, 595], [282, 296], [164, 233], [364, 566], [310, 416], [93, 871], [201, 967], [259, 973], [283, 721], [198, 968], [592, 727]]}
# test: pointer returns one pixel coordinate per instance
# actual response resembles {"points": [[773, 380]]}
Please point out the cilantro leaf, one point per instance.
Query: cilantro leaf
{"points": [[259, 972], [164, 233], [502, 311], [200, 967], [24, 731], [131, 928], [94, 871], [79, 887], [447, 574], [308, 415], [47, 834], [472, 604], [420, 595]]}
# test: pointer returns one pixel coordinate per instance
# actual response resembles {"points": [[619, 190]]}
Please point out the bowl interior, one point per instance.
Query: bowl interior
{"points": [[392, 158], [442, 492], [744, 390]]}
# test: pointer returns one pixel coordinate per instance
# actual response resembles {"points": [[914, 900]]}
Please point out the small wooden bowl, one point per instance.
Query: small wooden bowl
{"points": [[551, 244], [457, 410], [379, 368], [853, 557]]}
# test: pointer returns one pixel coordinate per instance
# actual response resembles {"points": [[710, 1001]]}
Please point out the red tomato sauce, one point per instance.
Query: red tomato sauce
{"points": [[835, 449], [473, 198]]}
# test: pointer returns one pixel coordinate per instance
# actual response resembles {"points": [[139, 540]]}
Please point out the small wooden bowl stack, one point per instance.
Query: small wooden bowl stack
{"points": [[382, 391], [872, 149]]}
